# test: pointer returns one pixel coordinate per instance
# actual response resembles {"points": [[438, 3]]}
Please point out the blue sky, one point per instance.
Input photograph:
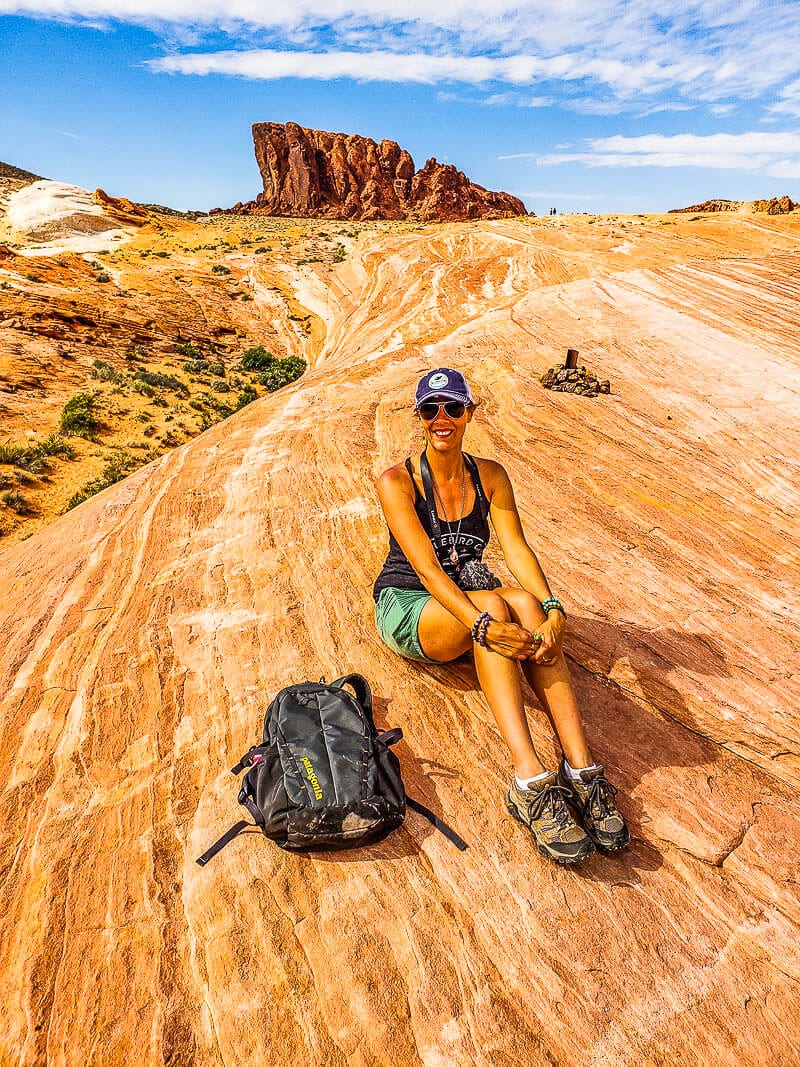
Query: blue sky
{"points": [[583, 105]]}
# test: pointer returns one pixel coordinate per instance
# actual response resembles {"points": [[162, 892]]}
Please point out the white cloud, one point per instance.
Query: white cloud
{"points": [[603, 54], [270, 64], [773, 154]]}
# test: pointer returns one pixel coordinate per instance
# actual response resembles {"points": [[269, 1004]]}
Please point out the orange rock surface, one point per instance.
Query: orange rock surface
{"points": [[144, 632]]}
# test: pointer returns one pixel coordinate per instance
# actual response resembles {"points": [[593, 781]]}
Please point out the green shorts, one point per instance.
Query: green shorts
{"points": [[397, 619]]}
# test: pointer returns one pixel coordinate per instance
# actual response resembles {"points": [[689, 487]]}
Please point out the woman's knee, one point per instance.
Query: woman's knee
{"points": [[523, 604], [488, 600]]}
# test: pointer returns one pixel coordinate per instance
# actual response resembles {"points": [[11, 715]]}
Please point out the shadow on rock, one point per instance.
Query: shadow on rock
{"points": [[418, 778], [630, 735]]}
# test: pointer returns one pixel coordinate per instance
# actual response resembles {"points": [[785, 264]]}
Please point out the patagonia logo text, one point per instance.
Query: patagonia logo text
{"points": [[312, 778]]}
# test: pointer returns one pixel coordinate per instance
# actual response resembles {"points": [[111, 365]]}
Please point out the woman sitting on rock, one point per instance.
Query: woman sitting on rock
{"points": [[435, 601]]}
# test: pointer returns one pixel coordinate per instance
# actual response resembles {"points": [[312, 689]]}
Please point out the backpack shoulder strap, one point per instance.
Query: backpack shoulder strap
{"points": [[359, 684], [430, 500]]}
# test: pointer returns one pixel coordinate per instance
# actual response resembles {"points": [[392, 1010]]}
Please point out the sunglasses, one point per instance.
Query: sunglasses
{"points": [[453, 409]]}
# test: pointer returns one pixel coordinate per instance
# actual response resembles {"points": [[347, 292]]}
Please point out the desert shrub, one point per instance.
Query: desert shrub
{"points": [[114, 471], [338, 254], [197, 405], [55, 445], [10, 453], [282, 372], [220, 268], [159, 402], [17, 502], [103, 371], [247, 396], [77, 416], [162, 255], [143, 416], [157, 380], [217, 369], [142, 388], [245, 297], [196, 366], [256, 359], [188, 349], [221, 387], [103, 277]]}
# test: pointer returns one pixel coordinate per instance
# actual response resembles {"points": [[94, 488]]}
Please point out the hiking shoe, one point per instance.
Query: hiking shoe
{"points": [[592, 796], [543, 809]]}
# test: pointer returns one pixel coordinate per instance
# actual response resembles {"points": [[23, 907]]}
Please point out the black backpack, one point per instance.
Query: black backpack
{"points": [[323, 777]]}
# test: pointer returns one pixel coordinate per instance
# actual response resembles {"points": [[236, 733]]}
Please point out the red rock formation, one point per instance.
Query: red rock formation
{"points": [[311, 173], [121, 208], [775, 206]]}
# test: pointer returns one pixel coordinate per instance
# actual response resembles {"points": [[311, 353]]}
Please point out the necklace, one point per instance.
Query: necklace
{"points": [[454, 550]]}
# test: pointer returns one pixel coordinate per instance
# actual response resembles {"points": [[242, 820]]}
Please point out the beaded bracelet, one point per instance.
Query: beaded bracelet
{"points": [[484, 626], [478, 623], [553, 604]]}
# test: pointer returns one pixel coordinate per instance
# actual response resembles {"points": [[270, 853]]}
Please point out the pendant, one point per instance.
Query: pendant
{"points": [[453, 555]]}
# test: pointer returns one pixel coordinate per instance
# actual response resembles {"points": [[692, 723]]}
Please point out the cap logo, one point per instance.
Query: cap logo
{"points": [[437, 381]]}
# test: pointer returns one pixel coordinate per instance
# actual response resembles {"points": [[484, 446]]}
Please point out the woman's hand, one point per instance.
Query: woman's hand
{"points": [[509, 640], [547, 649]]}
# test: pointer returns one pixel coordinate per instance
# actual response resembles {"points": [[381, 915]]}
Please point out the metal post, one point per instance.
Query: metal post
{"points": [[572, 359]]}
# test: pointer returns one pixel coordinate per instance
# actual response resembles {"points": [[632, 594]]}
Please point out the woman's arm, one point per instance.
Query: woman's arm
{"points": [[396, 494], [518, 554]]}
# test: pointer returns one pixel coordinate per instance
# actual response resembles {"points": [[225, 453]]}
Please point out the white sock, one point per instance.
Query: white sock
{"points": [[575, 775], [525, 783]]}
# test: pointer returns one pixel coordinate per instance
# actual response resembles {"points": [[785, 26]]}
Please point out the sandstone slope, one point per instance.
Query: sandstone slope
{"points": [[143, 633]]}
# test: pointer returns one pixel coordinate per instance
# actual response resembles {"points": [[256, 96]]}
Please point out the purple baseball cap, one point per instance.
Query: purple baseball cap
{"points": [[443, 382]]}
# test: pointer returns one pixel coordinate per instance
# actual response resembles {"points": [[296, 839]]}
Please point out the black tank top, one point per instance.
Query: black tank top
{"points": [[472, 539]]}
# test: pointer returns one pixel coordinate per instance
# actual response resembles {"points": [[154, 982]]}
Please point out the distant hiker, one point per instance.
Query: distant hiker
{"points": [[436, 600]]}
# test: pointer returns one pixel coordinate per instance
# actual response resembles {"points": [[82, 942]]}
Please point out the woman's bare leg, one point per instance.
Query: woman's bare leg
{"points": [[551, 684], [444, 638]]}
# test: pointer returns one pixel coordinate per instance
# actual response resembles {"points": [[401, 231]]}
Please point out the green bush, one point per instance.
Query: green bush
{"points": [[77, 416], [142, 388], [247, 396], [12, 454], [55, 445], [338, 254], [103, 277], [220, 268], [160, 381], [188, 349], [103, 371], [31, 456], [17, 502], [282, 372], [114, 471], [196, 366], [257, 359], [217, 369]]}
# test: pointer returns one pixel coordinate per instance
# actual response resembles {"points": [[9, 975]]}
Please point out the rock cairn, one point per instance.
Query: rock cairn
{"points": [[574, 379]]}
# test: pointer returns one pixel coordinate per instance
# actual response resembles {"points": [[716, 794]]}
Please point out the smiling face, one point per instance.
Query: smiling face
{"points": [[444, 432]]}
